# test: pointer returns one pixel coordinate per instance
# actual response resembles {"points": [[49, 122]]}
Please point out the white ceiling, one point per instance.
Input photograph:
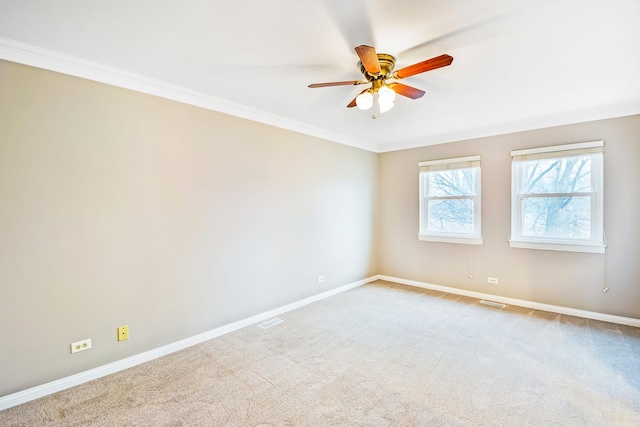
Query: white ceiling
{"points": [[517, 64]]}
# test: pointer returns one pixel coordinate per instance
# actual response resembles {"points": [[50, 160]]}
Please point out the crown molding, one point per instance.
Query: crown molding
{"points": [[27, 54], [34, 56], [582, 116]]}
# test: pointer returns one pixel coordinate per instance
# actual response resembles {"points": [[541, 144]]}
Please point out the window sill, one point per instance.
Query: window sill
{"points": [[448, 239], [566, 247]]}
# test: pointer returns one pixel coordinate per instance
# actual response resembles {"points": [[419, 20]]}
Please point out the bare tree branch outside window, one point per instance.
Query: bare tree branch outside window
{"points": [[451, 207], [556, 197]]}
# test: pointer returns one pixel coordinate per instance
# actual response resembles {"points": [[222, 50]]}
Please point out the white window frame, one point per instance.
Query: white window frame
{"points": [[469, 162], [593, 245]]}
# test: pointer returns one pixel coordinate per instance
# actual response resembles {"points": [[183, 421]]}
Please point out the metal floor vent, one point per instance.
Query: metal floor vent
{"points": [[270, 323], [491, 303]]}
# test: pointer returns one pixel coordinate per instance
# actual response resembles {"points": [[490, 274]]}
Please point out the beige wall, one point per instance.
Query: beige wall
{"points": [[121, 208], [560, 278]]}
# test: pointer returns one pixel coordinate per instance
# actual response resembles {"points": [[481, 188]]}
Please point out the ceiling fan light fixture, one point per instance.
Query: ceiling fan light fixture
{"points": [[387, 95], [377, 69], [364, 101], [386, 107]]}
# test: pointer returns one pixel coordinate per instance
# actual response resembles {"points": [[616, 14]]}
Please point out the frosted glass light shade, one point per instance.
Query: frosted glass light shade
{"points": [[364, 101], [387, 95], [386, 107]]}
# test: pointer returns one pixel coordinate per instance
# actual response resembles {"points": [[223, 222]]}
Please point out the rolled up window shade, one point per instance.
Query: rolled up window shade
{"points": [[567, 150], [450, 164]]}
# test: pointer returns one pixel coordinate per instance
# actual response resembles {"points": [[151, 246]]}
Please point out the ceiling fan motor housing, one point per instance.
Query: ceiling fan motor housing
{"points": [[387, 62]]}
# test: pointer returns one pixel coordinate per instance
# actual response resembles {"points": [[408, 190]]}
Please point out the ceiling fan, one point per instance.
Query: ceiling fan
{"points": [[377, 68]]}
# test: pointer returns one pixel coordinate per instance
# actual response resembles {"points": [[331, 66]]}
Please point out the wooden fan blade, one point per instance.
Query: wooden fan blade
{"points": [[421, 67], [369, 59], [348, 83], [408, 91], [353, 103]]}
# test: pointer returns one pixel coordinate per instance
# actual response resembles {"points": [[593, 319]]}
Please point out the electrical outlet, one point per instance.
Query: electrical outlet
{"points": [[123, 333], [492, 280], [320, 279], [80, 345]]}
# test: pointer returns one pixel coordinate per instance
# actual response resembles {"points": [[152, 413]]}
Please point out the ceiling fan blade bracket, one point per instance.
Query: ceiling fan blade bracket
{"points": [[346, 83]]}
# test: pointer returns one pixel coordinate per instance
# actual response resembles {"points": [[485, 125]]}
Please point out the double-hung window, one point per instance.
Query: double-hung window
{"points": [[557, 200], [450, 200]]}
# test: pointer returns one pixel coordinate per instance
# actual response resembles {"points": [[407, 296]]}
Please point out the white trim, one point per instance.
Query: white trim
{"points": [[582, 116], [23, 53], [34, 56], [424, 178], [567, 247], [554, 148], [629, 321], [595, 244], [101, 371], [448, 239]]}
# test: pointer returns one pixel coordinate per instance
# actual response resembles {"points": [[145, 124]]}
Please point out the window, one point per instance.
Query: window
{"points": [[450, 200], [556, 198]]}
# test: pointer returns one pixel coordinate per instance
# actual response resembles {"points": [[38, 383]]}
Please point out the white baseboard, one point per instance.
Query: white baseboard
{"points": [[101, 371], [629, 321]]}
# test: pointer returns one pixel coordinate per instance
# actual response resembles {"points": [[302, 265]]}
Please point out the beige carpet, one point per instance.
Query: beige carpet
{"points": [[378, 355]]}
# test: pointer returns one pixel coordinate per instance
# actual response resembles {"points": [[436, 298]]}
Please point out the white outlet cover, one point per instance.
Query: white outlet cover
{"points": [[80, 345], [320, 279]]}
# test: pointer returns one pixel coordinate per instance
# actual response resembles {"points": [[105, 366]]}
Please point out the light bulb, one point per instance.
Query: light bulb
{"points": [[364, 101]]}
